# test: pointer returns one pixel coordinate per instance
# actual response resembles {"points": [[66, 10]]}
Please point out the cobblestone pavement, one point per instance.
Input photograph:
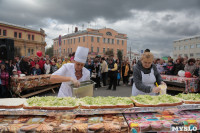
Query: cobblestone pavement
{"points": [[121, 91]]}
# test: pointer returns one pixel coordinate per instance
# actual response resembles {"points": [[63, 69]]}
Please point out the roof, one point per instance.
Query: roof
{"points": [[19, 26], [187, 38]]}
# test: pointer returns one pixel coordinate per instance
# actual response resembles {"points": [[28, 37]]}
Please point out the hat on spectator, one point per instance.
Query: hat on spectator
{"points": [[81, 54]]}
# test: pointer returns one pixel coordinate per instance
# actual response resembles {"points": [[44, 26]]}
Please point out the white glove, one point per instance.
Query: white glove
{"points": [[75, 82]]}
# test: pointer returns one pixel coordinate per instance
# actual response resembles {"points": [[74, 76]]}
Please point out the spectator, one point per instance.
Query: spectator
{"points": [[112, 74], [190, 66], [169, 68], [4, 81], [66, 60], [10, 67], [41, 64], [97, 71], [34, 62], [125, 72], [72, 57], [15, 66], [197, 71], [178, 66], [59, 63], [104, 70], [169, 58], [15, 74], [36, 70], [161, 66], [53, 67], [24, 66], [185, 60], [47, 67], [89, 65], [118, 71]]}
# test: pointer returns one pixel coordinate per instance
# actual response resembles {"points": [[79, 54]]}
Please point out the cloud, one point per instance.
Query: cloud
{"points": [[153, 24]]}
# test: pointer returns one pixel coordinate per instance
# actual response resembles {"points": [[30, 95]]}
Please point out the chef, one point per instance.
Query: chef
{"points": [[145, 76], [74, 72]]}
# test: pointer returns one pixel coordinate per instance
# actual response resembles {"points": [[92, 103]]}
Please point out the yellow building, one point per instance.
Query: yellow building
{"points": [[26, 41], [97, 40]]}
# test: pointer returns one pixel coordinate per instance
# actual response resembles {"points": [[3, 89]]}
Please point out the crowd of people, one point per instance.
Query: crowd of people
{"points": [[101, 69]]}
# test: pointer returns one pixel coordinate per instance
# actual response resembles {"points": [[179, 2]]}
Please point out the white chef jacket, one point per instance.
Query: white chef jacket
{"points": [[68, 70]]}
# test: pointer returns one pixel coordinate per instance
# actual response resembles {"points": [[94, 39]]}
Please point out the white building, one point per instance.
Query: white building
{"points": [[133, 55], [189, 46]]}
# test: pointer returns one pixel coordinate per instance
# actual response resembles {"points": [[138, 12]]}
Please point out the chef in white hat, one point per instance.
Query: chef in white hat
{"points": [[74, 72]]}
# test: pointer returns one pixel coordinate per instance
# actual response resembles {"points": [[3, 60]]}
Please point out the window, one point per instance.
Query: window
{"points": [[175, 55], [108, 33], [71, 41], [117, 41], [20, 35], [108, 40], [185, 47], [68, 41], [32, 51], [191, 54], [64, 42], [32, 37], [64, 50], [29, 52], [185, 55], [79, 39], [29, 37], [198, 54], [97, 49], [97, 39], [0, 31], [192, 46], [74, 40], [15, 34], [112, 41], [91, 49], [83, 39], [107, 49], [104, 50], [92, 39], [104, 40], [180, 54], [180, 47], [198, 45], [4, 32], [174, 48], [122, 42], [71, 50]]}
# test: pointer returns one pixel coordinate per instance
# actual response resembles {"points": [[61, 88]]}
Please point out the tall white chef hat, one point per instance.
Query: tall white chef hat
{"points": [[81, 54]]}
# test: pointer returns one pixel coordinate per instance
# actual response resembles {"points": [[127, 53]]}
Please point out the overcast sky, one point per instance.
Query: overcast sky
{"points": [[152, 24]]}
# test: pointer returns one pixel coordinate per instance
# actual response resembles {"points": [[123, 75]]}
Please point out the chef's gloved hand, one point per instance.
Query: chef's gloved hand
{"points": [[75, 82], [156, 89]]}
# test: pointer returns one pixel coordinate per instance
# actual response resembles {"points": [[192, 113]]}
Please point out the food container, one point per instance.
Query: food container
{"points": [[163, 90], [85, 89]]}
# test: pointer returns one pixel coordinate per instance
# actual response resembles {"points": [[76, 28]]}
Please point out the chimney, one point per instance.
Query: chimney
{"points": [[76, 29]]}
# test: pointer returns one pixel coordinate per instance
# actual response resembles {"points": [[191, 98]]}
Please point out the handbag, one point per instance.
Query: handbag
{"points": [[118, 76], [93, 75]]}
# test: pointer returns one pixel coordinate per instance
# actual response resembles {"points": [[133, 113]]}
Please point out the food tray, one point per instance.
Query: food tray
{"points": [[79, 111]]}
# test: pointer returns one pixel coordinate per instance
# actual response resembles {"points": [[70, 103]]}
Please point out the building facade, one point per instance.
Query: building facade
{"points": [[26, 41], [99, 41], [133, 55], [187, 47]]}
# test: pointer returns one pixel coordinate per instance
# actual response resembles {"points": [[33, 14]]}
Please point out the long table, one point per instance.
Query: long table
{"points": [[35, 84], [183, 84]]}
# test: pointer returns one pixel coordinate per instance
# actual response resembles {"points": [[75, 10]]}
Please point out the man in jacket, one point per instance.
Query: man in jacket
{"points": [[112, 74], [104, 70]]}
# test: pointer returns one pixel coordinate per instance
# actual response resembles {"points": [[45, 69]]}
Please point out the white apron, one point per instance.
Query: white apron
{"points": [[148, 80], [68, 70]]}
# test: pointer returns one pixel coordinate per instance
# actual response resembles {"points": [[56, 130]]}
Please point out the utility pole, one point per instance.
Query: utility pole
{"points": [[130, 53]]}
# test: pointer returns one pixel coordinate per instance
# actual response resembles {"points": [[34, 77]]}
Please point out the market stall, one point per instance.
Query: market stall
{"points": [[32, 84], [182, 84], [111, 115]]}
